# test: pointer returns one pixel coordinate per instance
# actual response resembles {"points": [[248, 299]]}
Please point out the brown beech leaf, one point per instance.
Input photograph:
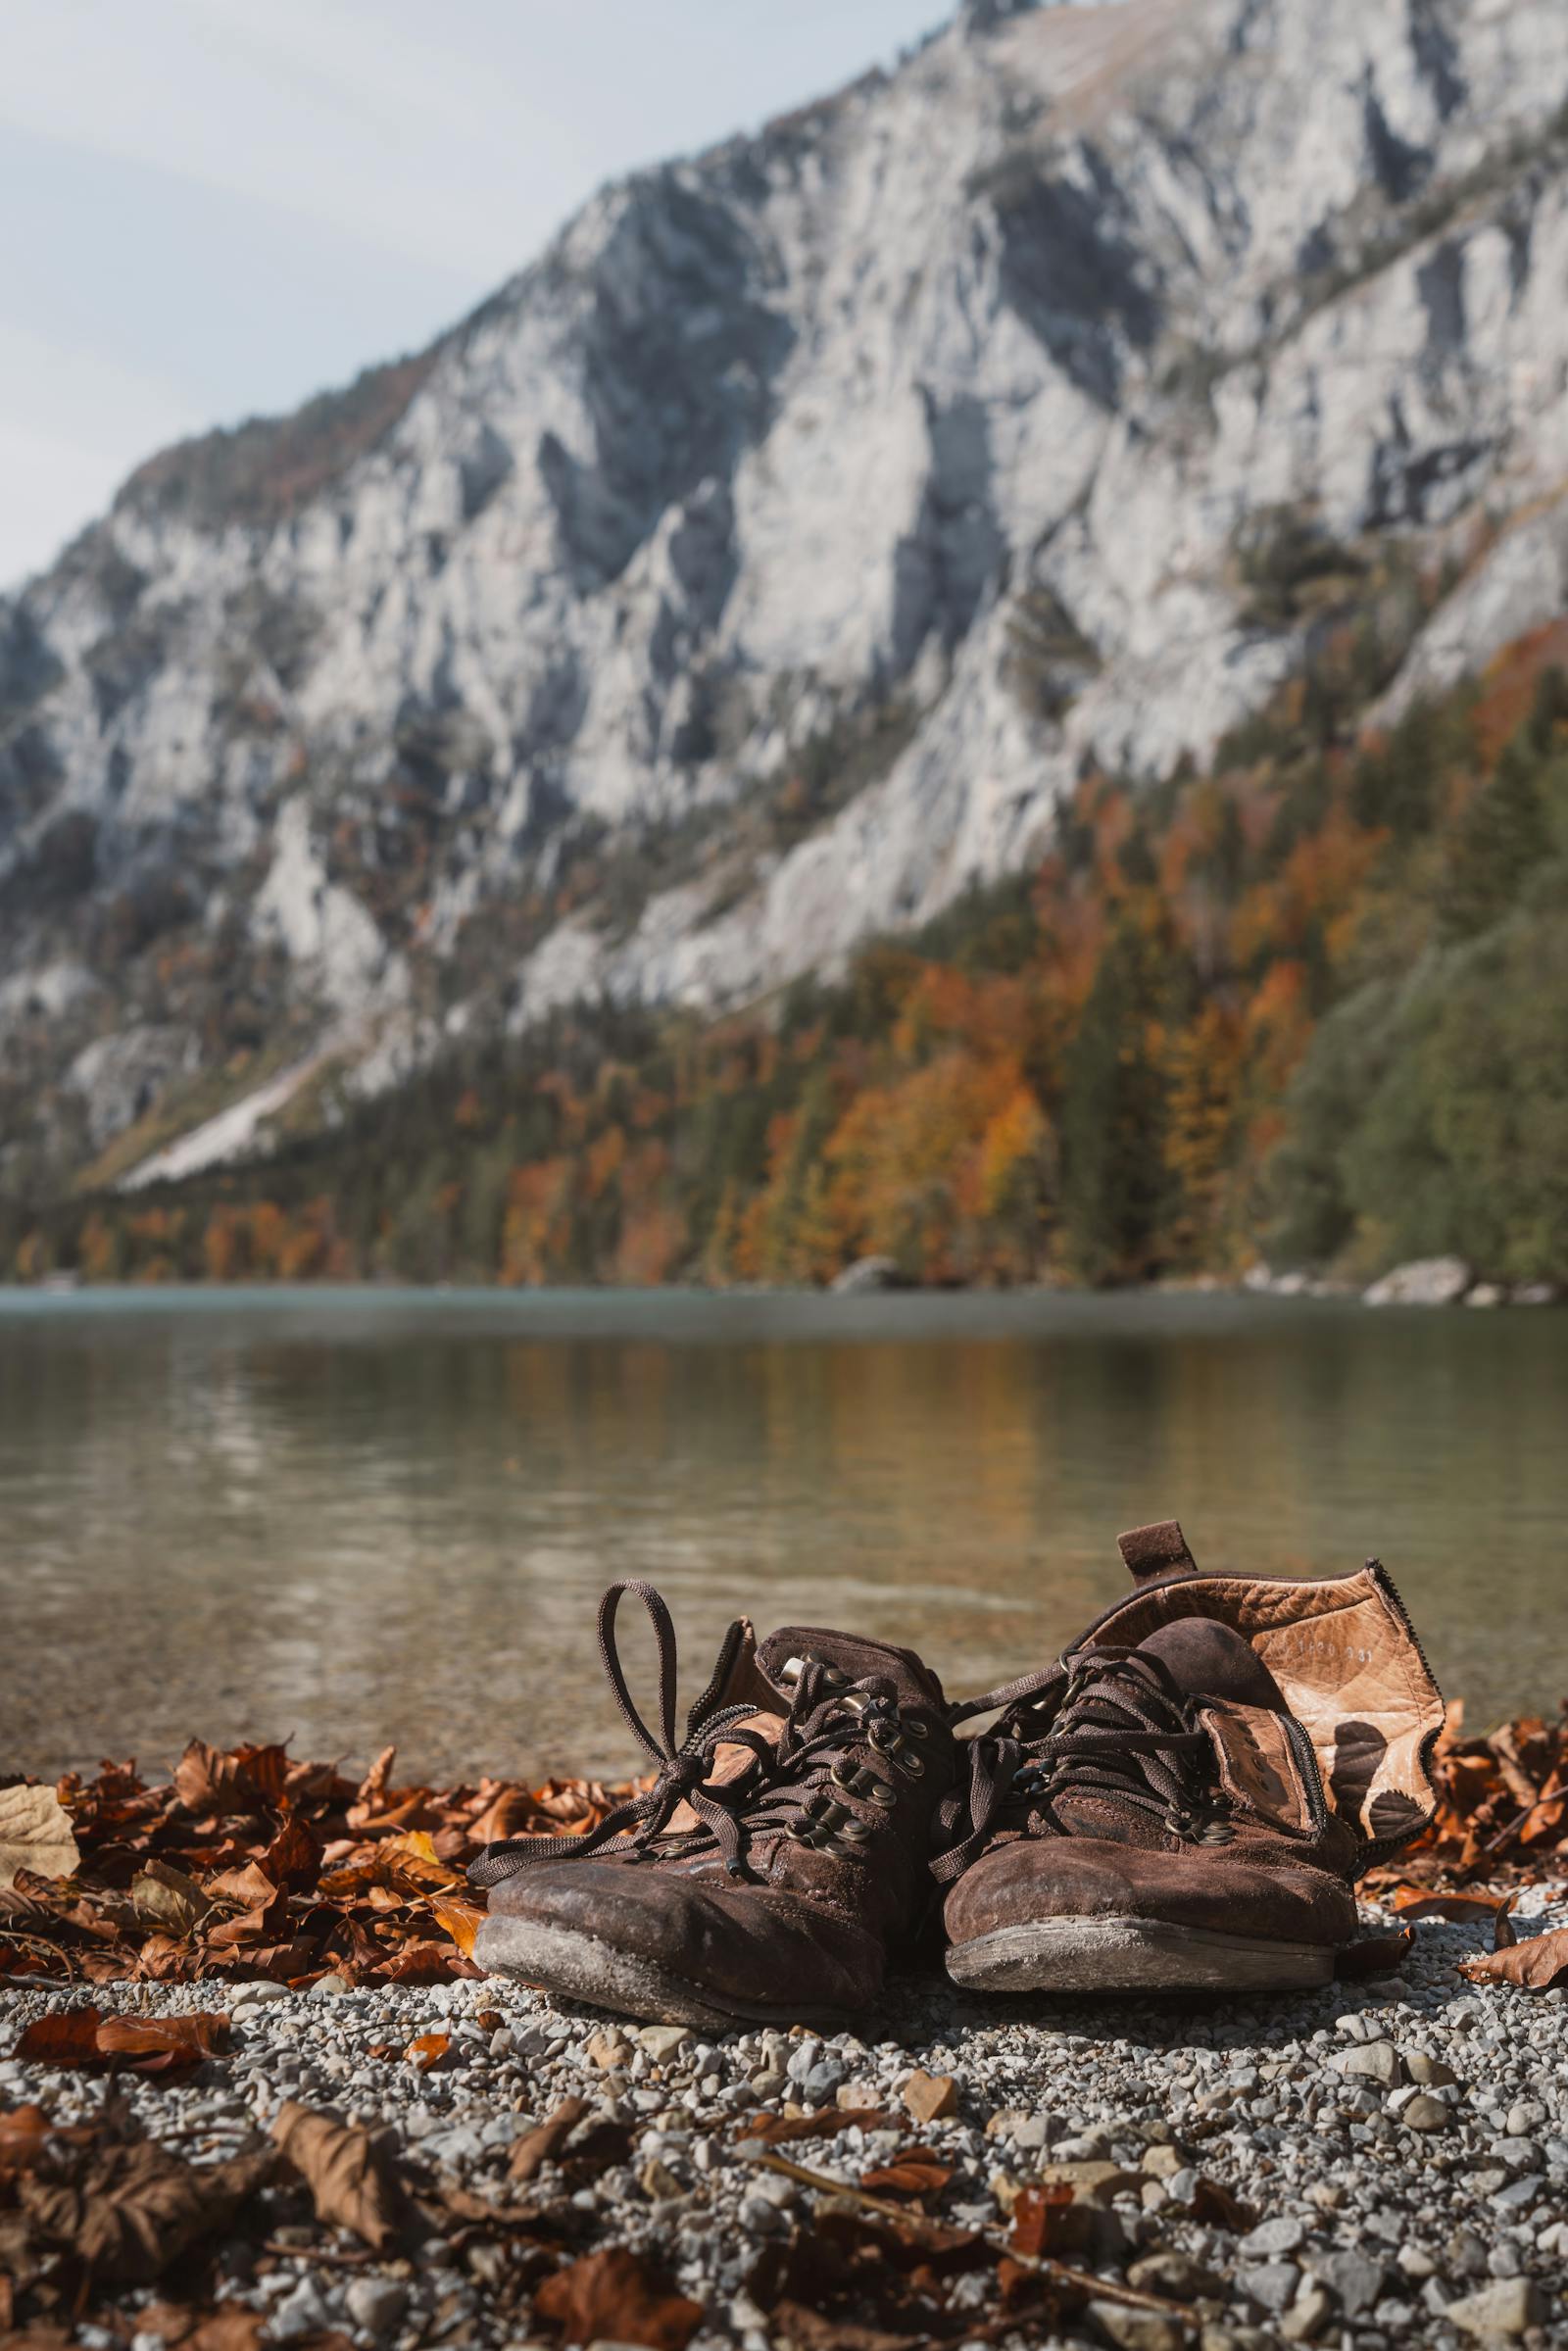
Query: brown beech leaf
{"points": [[164, 1896], [779, 2130], [351, 2182], [913, 2172], [1504, 1933], [23, 2129], [164, 2045], [425, 1963], [136, 2207], [63, 2036], [460, 1919], [427, 2052], [206, 1781], [1374, 1954], [1459, 1910], [1538, 1965], [544, 2142], [294, 1856], [263, 1771], [36, 1834], [617, 2296]]}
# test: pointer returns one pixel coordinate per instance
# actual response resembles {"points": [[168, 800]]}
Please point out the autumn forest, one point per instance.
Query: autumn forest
{"points": [[1306, 1009]]}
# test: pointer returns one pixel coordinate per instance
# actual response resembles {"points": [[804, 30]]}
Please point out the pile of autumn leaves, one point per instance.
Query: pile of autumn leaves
{"points": [[1502, 1824], [248, 1865]]}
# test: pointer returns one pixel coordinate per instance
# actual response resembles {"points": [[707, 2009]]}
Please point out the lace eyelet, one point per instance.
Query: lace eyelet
{"points": [[912, 1764], [856, 1831], [914, 1727], [883, 1797]]}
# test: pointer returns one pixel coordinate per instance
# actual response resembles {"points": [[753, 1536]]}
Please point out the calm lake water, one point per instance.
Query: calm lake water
{"points": [[355, 1517]]}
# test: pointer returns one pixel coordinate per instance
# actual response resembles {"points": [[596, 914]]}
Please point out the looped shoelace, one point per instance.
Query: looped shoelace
{"points": [[1113, 1724], [768, 1794]]}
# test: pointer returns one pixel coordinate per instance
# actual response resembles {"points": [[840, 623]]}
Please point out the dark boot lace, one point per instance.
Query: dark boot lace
{"points": [[807, 1786], [1113, 1723]]}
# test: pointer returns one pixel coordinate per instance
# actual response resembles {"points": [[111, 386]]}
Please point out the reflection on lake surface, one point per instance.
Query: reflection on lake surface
{"points": [[354, 1517]]}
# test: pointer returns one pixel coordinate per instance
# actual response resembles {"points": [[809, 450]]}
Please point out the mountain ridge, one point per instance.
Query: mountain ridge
{"points": [[764, 565]]}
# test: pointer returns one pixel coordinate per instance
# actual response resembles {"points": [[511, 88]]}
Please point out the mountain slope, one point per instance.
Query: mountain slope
{"points": [[765, 563]]}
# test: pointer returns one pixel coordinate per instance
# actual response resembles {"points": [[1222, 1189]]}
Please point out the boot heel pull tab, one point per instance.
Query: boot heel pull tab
{"points": [[1157, 1550]]}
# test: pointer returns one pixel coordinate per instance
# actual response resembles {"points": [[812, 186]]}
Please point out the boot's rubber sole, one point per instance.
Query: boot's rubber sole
{"points": [[1133, 1954], [580, 1967]]}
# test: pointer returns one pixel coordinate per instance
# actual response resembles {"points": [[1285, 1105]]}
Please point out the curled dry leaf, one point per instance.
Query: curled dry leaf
{"points": [[206, 1781], [36, 1834], [133, 2209], [164, 1896], [1538, 1965], [24, 2132], [1459, 1909], [161, 2046], [64, 2037], [617, 2296], [427, 2052], [351, 2182], [544, 2142], [915, 2172], [1374, 1954], [164, 2045], [460, 1919]]}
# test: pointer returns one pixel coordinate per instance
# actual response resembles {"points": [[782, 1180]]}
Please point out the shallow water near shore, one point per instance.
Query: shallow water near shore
{"points": [[352, 1517]]}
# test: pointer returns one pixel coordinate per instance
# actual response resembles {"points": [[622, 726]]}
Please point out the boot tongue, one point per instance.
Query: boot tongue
{"points": [[1210, 1660], [857, 1660]]}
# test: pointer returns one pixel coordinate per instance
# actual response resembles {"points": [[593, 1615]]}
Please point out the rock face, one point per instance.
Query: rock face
{"points": [[1426, 1281], [761, 566]]}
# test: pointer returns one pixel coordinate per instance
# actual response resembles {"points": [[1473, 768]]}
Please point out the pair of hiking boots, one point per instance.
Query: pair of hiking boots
{"points": [[1183, 1801]]}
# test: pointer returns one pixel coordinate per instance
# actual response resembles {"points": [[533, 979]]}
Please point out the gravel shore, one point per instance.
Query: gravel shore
{"points": [[1401, 2147]]}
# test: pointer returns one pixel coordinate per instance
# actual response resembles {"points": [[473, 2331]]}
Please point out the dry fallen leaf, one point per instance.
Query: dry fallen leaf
{"points": [[351, 2182], [428, 2050], [35, 1834], [617, 2296], [1374, 1954], [544, 2142], [1459, 1909], [460, 1919], [64, 2037], [23, 2131], [206, 1781], [136, 2208], [164, 1896], [1539, 1964], [164, 2046], [915, 2172]]}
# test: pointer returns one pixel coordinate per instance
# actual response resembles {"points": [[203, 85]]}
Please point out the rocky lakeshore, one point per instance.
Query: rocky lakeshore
{"points": [[1379, 2163]]}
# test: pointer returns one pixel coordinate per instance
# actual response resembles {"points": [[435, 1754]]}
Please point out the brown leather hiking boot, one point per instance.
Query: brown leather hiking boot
{"points": [[778, 1856], [1151, 1813]]}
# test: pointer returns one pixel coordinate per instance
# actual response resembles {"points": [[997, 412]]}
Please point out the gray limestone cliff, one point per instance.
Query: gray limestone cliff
{"points": [[761, 566]]}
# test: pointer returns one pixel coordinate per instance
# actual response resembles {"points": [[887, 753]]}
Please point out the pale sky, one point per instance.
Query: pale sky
{"points": [[214, 208]]}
